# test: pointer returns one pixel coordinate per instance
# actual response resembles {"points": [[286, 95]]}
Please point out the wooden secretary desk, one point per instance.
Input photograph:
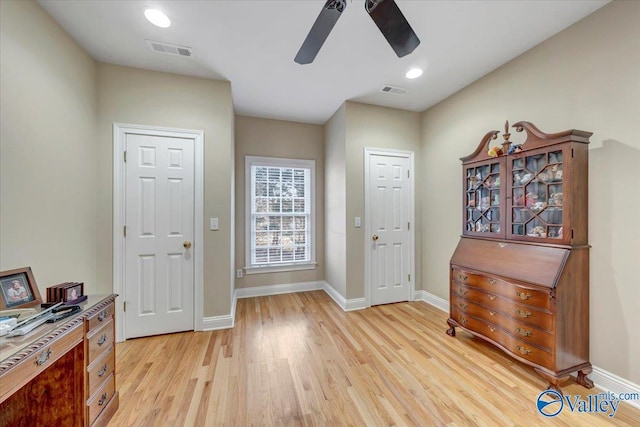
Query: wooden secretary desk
{"points": [[62, 374], [519, 277]]}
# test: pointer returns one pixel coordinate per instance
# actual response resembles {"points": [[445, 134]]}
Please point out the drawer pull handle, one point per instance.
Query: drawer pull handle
{"points": [[524, 295], [102, 340], [523, 332], [463, 321], [103, 399], [462, 305], [523, 350], [43, 357], [492, 313], [492, 329], [492, 281], [524, 314], [103, 370], [462, 291], [463, 277], [102, 315], [492, 297]]}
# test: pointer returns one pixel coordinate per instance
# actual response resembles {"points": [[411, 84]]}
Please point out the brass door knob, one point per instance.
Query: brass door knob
{"points": [[374, 237], [187, 244]]}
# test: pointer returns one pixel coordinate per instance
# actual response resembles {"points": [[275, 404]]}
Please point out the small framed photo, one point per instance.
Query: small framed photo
{"points": [[72, 293], [18, 289]]}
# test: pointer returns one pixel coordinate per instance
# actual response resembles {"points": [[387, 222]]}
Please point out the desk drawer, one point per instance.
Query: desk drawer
{"points": [[101, 399], [101, 369], [100, 340], [533, 297], [100, 318]]}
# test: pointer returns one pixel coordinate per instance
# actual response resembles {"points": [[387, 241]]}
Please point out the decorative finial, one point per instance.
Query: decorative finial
{"points": [[506, 144]]}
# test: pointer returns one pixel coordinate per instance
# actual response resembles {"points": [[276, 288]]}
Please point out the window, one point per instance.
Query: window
{"points": [[280, 214]]}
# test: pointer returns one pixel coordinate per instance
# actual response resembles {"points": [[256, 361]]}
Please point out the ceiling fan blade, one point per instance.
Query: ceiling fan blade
{"points": [[393, 25], [320, 31]]}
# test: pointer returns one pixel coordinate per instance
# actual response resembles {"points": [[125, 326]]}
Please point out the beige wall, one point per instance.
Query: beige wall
{"points": [[586, 77], [335, 201], [48, 111], [277, 138], [134, 96], [375, 127]]}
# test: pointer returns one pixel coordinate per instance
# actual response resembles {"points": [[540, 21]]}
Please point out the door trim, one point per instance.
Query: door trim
{"points": [[120, 130], [368, 152]]}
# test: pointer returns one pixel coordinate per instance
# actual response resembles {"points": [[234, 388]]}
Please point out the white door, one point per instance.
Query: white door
{"points": [[159, 220], [389, 205]]}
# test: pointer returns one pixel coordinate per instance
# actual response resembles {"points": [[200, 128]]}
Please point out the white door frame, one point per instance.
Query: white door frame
{"points": [[368, 152], [120, 130]]}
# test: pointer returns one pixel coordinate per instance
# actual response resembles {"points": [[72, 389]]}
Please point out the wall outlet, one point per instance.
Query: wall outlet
{"points": [[239, 273]]}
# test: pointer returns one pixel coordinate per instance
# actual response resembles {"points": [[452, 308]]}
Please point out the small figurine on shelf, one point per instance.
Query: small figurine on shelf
{"points": [[495, 152], [516, 178], [526, 177], [538, 206], [518, 200], [530, 199], [489, 182], [484, 203], [537, 231], [497, 182], [472, 203], [557, 173], [516, 148], [555, 199]]}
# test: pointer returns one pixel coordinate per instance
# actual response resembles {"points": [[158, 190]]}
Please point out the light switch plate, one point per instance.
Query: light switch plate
{"points": [[213, 224], [358, 222]]}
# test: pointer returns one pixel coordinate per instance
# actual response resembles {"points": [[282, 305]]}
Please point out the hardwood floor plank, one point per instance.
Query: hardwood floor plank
{"points": [[299, 360]]}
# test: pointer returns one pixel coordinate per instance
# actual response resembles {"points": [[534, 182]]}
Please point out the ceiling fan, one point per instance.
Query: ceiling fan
{"points": [[386, 15]]}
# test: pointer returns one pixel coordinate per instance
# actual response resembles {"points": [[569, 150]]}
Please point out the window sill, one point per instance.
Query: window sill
{"points": [[280, 268]]}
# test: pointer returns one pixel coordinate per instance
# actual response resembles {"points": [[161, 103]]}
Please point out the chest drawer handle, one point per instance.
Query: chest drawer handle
{"points": [[492, 297], [462, 305], [523, 350], [103, 399], [524, 314], [463, 277], [43, 357], [102, 315], [492, 329], [463, 321], [102, 340], [492, 281], [103, 370], [492, 313], [524, 295], [462, 292], [523, 332]]}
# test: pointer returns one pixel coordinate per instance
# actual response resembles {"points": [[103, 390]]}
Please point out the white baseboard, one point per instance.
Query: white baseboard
{"points": [[602, 379], [218, 322], [261, 291], [611, 382], [435, 301], [343, 303]]}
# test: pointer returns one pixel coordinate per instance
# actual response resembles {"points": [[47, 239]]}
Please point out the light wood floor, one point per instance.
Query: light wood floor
{"points": [[298, 359]]}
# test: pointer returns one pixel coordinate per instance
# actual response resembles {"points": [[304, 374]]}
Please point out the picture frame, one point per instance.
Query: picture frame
{"points": [[74, 293], [18, 289], [67, 292]]}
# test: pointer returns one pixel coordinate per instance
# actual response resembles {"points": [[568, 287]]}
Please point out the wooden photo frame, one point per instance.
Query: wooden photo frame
{"points": [[18, 289]]}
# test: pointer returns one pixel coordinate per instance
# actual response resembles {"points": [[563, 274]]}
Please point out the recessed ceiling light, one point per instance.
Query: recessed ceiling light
{"points": [[413, 73], [157, 18]]}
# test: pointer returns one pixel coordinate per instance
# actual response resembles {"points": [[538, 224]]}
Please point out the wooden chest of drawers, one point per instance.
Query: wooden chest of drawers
{"points": [[543, 324], [102, 397]]}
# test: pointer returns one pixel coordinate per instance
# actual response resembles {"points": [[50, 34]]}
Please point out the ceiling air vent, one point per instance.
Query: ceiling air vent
{"points": [[393, 89], [170, 49]]}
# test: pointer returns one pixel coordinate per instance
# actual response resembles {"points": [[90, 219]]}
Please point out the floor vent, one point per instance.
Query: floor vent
{"points": [[170, 49], [393, 89]]}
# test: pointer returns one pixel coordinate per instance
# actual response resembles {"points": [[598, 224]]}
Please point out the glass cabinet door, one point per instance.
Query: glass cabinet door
{"points": [[536, 195], [483, 200]]}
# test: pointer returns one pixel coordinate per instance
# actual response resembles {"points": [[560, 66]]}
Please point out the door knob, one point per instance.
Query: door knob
{"points": [[186, 244], [374, 237]]}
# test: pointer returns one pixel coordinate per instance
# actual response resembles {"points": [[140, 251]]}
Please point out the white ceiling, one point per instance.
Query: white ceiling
{"points": [[252, 43]]}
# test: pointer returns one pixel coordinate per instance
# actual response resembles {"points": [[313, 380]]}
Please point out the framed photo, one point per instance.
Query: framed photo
{"points": [[72, 293], [18, 289]]}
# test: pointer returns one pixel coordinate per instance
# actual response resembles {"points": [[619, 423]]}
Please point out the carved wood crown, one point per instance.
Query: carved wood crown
{"points": [[535, 139]]}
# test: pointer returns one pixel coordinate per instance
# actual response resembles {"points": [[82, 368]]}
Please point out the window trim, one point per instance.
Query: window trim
{"points": [[250, 161]]}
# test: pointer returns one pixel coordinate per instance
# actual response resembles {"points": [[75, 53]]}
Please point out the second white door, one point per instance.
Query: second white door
{"points": [[389, 204], [159, 218]]}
